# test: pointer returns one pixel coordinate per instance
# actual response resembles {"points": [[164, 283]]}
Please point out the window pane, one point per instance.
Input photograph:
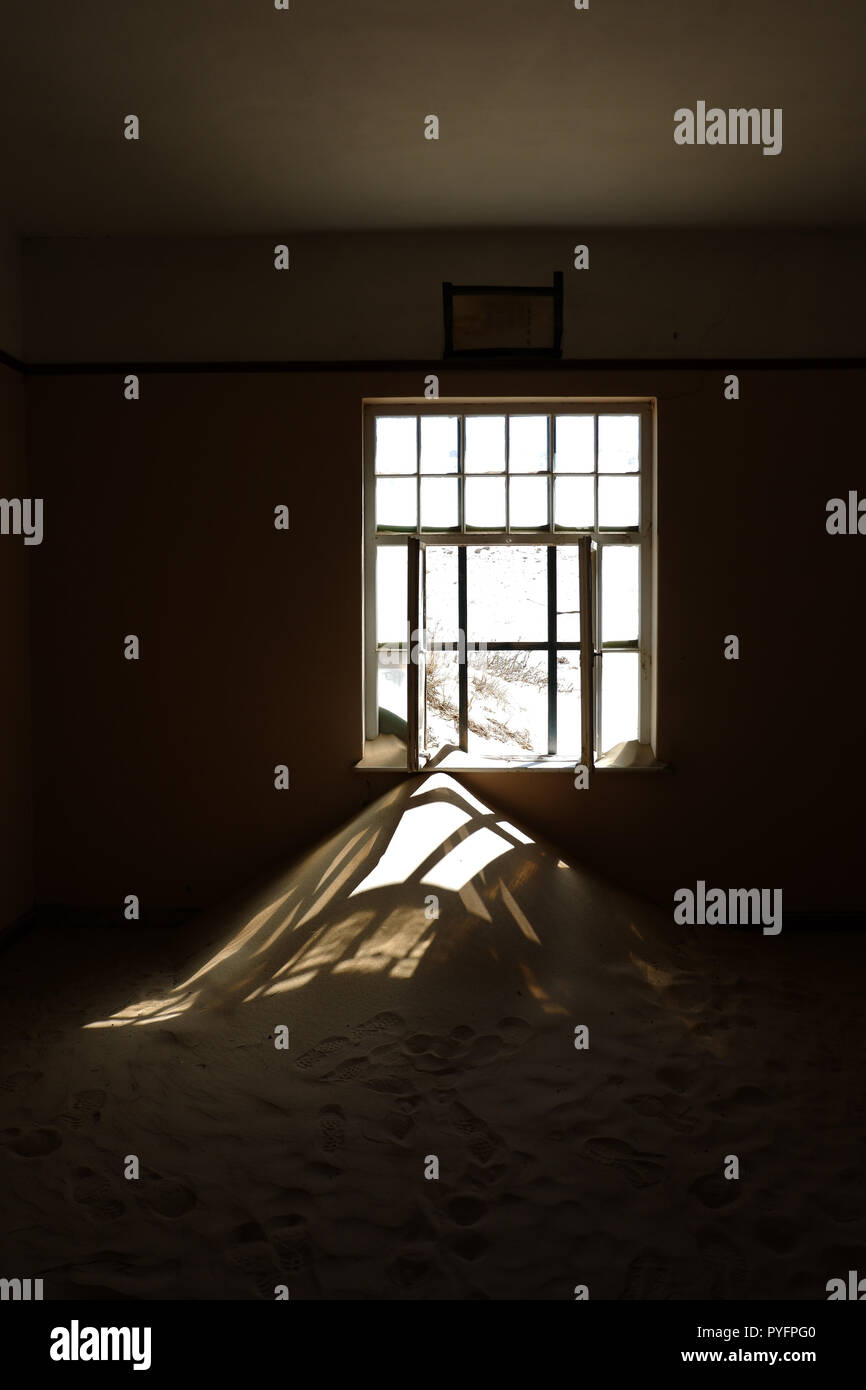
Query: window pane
{"points": [[619, 698], [396, 444], [438, 444], [439, 504], [568, 705], [567, 593], [396, 504], [440, 570], [442, 700], [574, 502], [392, 685], [485, 444], [527, 443], [485, 503], [528, 503], [618, 443], [574, 443], [508, 704], [619, 593], [618, 502], [392, 599], [506, 593]]}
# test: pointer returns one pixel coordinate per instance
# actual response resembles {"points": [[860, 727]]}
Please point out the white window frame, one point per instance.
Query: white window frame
{"points": [[591, 541]]}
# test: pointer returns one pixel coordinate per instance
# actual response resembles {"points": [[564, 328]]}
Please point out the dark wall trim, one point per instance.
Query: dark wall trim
{"points": [[426, 365], [7, 360]]}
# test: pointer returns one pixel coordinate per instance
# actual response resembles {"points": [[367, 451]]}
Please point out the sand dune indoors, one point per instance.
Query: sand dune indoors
{"points": [[413, 1034]]}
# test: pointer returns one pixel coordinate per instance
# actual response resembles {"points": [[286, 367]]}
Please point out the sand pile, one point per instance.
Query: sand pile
{"points": [[432, 963]]}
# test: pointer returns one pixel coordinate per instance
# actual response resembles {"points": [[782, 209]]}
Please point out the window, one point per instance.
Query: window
{"points": [[508, 578]]}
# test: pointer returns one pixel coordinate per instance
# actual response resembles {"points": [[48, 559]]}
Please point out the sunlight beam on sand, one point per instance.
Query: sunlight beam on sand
{"points": [[467, 859], [419, 832]]}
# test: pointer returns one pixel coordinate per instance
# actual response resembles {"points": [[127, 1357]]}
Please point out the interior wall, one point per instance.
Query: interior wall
{"points": [[156, 777], [11, 293], [16, 798], [365, 296]]}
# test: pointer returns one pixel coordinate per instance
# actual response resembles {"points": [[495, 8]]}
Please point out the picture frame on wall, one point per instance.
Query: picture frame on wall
{"points": [[503, 320]]}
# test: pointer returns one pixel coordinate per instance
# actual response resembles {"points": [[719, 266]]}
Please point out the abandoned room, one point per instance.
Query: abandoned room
{"points": [[431, 549]]}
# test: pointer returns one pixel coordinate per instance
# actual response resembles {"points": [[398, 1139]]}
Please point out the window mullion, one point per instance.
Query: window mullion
{"points": [[462, 665], [551, 652], [587, 661]]}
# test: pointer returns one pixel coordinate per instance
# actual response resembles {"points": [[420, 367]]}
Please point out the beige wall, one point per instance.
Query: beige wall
{"points": [[379, 296], [157, 777], [16, 560]]}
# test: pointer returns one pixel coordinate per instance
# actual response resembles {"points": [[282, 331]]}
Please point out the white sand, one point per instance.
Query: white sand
{"points": [[413, 1037]]}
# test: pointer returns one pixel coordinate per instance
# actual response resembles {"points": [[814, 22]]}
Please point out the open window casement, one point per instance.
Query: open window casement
{"points": [[565, 727]]}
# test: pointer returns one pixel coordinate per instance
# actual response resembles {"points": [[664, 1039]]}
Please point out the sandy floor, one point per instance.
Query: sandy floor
{"points": [[413, 1036]]}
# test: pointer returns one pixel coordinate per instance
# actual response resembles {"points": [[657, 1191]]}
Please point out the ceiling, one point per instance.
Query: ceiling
{"points": [[258, 120]]}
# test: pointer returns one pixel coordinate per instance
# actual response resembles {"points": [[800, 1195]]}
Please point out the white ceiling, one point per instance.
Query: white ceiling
{"points": [[253, 119]]}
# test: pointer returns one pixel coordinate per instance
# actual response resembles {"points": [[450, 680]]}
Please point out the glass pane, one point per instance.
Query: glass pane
{"points": [[442, 700], [620, 588], [439, 504], [574, 502], [396, 504], [567, 593], [440, 584], [568, 705], [508, 704], [574, 443], [438, 444], [528, 503], [527, 443], [392, 599], [485, 504], [506, 593], [618, 443], [396, 444], [619, 698], [485, 444], [618, 502], [392, 687]]}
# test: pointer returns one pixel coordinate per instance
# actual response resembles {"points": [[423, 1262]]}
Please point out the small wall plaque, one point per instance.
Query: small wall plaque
{"points": [[503, 320]]}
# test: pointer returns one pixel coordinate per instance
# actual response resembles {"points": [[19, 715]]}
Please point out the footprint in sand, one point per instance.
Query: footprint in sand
{"points": [[31, 1143], [642, 1170], [379, 1023], [314, 1056], [651, 1277], [20, 1080], [469, 1245], [251, 1254], [666, 1110], [166, 1196], [715, 1191], [465, 1210], [85, 1108], [94, 1192], [288, 1236], [332, 1124], [776, 1234], [392, 1128], [351, 1070], [677, 1078]]}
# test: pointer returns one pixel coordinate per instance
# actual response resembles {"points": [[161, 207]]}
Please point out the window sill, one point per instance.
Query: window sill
{"points": [[387, 753]]}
